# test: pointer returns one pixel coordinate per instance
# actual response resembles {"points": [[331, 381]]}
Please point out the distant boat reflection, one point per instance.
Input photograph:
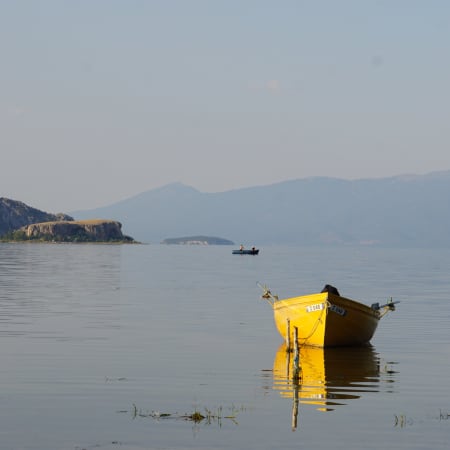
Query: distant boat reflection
{"points": [[328, 377]]}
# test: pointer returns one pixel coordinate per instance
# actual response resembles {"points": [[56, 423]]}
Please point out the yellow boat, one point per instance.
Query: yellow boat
{"points": [[326, 319], [328, 378]]}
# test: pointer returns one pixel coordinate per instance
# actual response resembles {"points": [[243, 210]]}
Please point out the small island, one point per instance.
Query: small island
{"points": [[94, 230], [197, 240]]}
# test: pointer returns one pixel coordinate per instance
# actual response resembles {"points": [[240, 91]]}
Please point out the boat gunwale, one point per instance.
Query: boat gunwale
{"points": [[325, 297]]}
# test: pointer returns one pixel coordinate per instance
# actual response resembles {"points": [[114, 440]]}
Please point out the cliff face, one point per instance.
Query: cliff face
{"points": [[15, 214], [83, 230]]}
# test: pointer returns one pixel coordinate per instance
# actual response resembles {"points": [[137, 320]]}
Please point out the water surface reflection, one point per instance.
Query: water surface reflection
{"points": [[328, 377]]}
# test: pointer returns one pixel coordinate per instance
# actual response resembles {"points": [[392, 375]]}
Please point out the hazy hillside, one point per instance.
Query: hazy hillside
{"points": [[407, 211], [15, 214]]}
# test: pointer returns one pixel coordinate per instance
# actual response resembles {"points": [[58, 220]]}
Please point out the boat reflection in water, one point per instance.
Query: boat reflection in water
{"points": [[328, 377]]}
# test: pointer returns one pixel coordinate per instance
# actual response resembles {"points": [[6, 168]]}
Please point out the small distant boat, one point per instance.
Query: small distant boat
{"points": [[326, 319], [251, 251]]}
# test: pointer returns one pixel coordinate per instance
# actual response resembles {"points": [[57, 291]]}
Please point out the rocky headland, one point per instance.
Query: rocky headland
{"points": [[20, 222], [15, 214], [95, 230]]}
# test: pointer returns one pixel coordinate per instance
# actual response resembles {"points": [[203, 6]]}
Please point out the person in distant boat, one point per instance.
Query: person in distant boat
{"points": [[241, 248], [253, 249], [330, 289]]}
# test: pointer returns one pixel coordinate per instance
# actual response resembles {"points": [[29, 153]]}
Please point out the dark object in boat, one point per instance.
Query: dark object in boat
{"points": [[330, 289]]}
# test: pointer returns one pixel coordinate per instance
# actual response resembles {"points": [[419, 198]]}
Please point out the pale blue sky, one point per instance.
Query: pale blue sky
{"points": [[101, 100]]}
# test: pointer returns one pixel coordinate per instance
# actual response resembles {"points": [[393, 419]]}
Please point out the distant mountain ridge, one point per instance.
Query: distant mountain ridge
{"points": [[401, 211]]}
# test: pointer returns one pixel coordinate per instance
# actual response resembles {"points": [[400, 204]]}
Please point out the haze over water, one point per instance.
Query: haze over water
{"points": [[110, 346]]}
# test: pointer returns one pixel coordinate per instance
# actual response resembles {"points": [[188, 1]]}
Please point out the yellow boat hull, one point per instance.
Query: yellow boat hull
{"points": [[325, 320]]}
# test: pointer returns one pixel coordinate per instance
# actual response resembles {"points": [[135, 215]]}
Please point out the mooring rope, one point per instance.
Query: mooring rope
{"points": [[327, 304]]}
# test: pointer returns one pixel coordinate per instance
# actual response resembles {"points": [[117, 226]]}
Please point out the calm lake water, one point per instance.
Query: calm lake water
{"points": [[111, 347]]}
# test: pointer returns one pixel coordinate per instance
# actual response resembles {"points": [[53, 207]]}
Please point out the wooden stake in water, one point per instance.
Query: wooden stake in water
{"points": [[295, 379], [295, 407], [288, 335], [296, 374]]}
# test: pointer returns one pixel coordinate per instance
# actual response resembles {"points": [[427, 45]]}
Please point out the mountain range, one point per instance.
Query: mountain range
{"points": [[400, 211]]}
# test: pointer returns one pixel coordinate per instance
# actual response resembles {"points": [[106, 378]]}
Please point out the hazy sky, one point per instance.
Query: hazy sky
{"points": [[104, 99]]}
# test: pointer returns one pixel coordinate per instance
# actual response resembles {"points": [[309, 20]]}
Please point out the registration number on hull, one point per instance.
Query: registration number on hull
{"points": [[316, 307], [338, 310], [320, 306]]}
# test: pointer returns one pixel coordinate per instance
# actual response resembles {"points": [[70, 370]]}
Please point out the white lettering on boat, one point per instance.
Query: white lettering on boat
{"points": [[316, 307], [338, 310]]}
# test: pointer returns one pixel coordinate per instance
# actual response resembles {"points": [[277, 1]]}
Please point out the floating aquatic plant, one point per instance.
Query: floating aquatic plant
{"points": [[208, 416]]}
